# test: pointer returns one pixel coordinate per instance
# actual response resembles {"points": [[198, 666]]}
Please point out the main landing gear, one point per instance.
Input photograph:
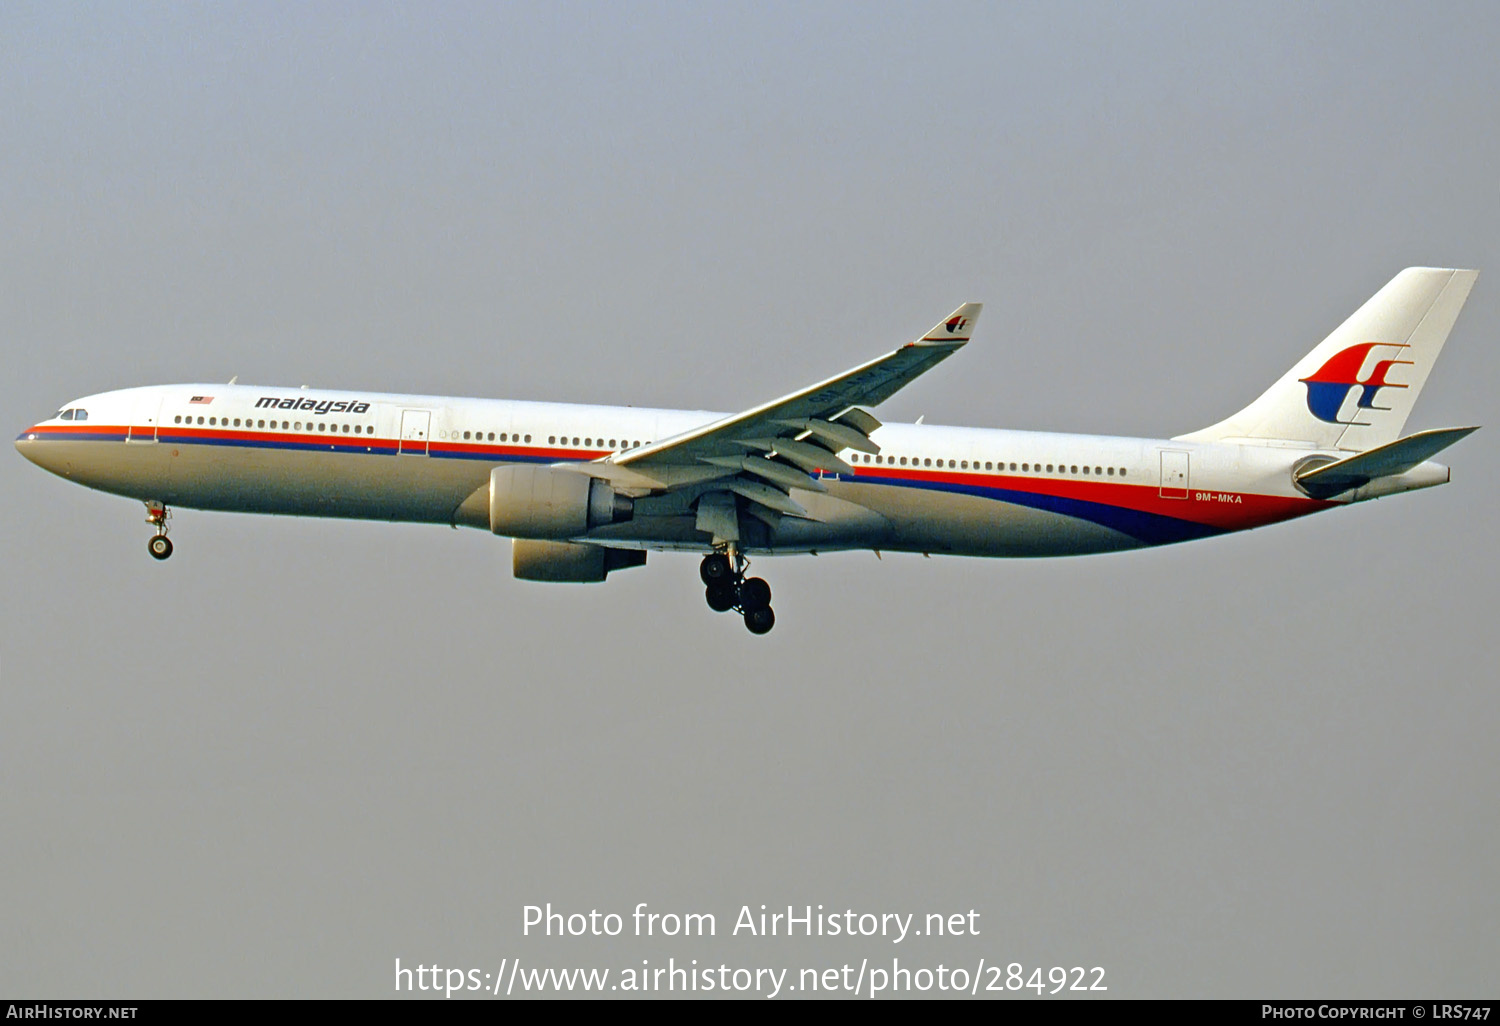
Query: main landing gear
{"points": [[727, 587], [160, 546]]}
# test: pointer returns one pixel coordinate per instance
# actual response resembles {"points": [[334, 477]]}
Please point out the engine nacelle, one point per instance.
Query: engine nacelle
{"points": [[529, 501], [571, 562]]}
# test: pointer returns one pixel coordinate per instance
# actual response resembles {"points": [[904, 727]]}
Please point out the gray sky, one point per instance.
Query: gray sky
{"points": [[1257, 765]]}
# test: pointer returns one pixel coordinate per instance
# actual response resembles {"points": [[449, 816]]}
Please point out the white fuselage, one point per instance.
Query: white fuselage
{"points": [[968, 491]]}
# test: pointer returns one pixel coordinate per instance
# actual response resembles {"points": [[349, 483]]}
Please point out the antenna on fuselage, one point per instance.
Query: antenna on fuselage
{"points": [[234, 380]]}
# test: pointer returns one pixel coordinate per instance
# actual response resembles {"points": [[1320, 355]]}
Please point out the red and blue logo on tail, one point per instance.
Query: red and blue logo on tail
{"points": [[1328, 387]]}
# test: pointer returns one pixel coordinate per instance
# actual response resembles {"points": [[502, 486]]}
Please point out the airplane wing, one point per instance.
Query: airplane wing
{"points": [[762, 454]]}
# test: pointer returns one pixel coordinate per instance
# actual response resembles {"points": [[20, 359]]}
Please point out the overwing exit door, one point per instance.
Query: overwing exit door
{"points": [[414, 430]]}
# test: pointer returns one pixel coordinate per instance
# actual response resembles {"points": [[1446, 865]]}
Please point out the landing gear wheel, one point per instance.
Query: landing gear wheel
{"points": [[160, 546], [755, 593], [760, 621], [715, 568], [720, 596]]}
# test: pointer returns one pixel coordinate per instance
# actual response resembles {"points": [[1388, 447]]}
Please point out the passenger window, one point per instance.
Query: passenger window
{"points": [[611, 443], [1122, 471], [903, 461], [1111, 471], [589, 442], [299, 425], [200, 420], [528, 438], [492, 436], [1085, 470], [177, 419], [1012, 467], [261, 424], [575, 439], [551, 439]]}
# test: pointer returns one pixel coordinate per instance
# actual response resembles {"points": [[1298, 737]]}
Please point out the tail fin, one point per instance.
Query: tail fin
{"points": [[1356, 389]]}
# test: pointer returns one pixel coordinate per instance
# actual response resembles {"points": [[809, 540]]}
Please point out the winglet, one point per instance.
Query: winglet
{"points": [[957, 326]]}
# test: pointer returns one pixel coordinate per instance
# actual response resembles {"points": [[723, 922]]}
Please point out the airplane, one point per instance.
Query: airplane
{"points": [[585, 491]]}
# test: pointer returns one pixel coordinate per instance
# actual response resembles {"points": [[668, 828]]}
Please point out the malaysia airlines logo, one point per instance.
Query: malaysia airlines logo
{"points": [[956, 324], [271, 402], [1328, 387]]}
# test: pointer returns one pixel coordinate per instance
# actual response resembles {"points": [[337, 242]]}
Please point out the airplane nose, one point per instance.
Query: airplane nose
{"points": [[26, 445]]}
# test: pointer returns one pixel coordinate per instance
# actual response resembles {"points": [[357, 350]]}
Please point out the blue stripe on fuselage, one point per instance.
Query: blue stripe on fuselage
{"points": [[1148, 528]]}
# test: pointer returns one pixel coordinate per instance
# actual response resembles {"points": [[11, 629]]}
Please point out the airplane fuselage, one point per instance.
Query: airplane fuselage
{"points": [[958, 490]]}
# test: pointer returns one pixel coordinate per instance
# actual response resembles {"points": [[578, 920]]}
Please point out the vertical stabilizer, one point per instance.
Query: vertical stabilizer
{"points": [[1356, 389]]}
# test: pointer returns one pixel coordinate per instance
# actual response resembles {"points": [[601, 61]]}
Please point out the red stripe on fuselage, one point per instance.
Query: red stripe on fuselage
{"points": [[1226, 510]]}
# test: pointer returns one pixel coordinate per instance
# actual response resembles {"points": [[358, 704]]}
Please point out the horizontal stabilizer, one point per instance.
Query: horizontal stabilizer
{"points": [[1383, 461]]}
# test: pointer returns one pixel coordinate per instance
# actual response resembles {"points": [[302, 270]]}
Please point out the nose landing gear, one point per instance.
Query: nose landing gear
{"points": [[157, 514], [726, 587]]}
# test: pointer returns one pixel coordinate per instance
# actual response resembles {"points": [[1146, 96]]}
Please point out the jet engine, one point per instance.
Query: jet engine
{"points": [[573, 562], [548, 502]]}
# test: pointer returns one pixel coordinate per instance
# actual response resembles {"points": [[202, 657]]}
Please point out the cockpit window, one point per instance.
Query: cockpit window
{"points": [[64, 414], [76, 413], [80, 414]]}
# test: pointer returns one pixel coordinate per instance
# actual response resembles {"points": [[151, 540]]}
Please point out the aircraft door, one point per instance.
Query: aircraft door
{"points": [[414, 431], [1174, 474], [143, 419]]}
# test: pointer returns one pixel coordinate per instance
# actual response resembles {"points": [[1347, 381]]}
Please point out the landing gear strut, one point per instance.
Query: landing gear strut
{"points": [[726, 587], [160, 546]]}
